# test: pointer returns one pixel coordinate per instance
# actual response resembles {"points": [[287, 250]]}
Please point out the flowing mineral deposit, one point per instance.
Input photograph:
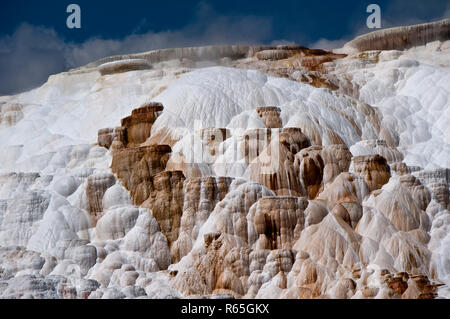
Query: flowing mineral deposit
{"points": [[233, 172]]}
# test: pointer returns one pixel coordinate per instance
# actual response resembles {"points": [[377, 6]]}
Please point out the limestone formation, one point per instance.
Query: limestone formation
{"points": [[201, 195], [278, 221], [374, 169], [401, 38], [10, 114], [438, 181], [135, 167], [213, 137], [270, 115], [255, 141], [95, 190], [271, 158], [272, 171], [139, 124], [107, 136], [123, 66], [293, 139], [166, 202], [274, 54], [311, 166], [380, 147]]}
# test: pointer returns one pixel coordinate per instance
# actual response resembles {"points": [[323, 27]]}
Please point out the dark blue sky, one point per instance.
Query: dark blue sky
{"points": [[116, 19], [291, 19], [36, 31]]}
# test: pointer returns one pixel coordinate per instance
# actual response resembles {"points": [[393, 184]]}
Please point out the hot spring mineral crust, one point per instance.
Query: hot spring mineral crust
{"points": [[267, 172]]}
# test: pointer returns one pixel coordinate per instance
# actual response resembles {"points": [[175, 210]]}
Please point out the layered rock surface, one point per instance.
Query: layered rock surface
{"points": [[401, 38], [289, 173]]}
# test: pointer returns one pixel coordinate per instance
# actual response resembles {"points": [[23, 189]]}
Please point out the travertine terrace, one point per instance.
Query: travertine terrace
{"points": [[267, 172]]}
